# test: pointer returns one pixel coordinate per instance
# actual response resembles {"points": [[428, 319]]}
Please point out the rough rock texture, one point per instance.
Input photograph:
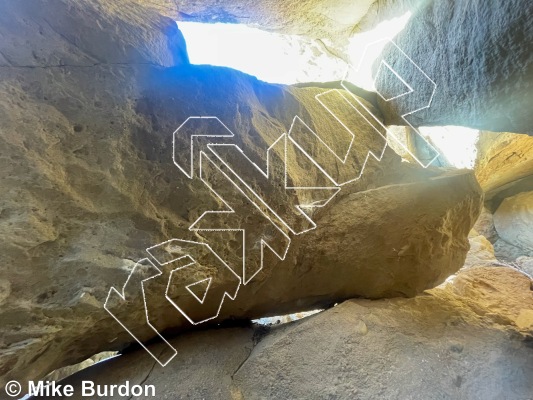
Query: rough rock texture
{"points": [[44, 33], [504, 169], [507, 252], [89, 184], [469, 339], [479, 55], [330, 19], [64, 372], [88, 107], [397, 249], [207, 362], [86, 132], [504, 165], [514, 245], [514, 220]]}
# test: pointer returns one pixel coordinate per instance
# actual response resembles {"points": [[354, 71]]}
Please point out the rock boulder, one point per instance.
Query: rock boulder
{"points": [[90, 184]]}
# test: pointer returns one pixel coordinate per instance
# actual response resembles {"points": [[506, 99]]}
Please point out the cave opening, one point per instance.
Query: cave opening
{"points": [[286, 58], [113, 145], [271, 57], [295, 59]]}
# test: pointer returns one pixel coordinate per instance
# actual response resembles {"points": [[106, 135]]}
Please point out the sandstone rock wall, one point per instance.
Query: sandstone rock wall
{"points": [[504, 165], [332, 20], [477, 53], [90, 184]]}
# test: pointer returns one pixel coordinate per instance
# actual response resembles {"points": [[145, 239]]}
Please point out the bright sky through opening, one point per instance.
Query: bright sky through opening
{"points": [[289, 59], [271, 57], [279, 58]]}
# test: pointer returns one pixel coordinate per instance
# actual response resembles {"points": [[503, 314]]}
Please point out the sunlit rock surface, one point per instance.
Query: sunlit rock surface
{"points": [[316, 19], [481, 250], [485, 225], [504, 165], [90, 184], [90, 95]]}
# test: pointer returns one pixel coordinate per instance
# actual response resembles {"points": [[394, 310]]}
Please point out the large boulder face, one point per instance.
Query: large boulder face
{"points": [[397, 246], [470, 339], [89, 184], [87, 118], [478, 54]]}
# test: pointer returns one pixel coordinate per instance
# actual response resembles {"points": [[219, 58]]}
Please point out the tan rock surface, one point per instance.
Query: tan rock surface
{"points": [[89, 184], [481, 251], [87, 115], [79, 33], [483, 76], [329, 19], [469, 339]]}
